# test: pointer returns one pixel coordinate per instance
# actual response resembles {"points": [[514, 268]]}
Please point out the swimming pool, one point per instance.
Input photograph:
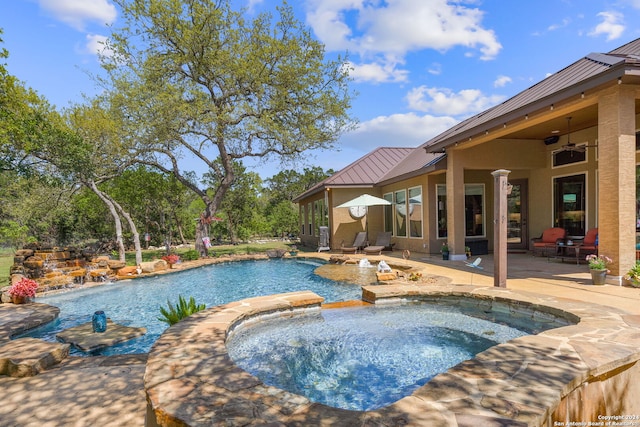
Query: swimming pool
{"points": [[137, 302]]}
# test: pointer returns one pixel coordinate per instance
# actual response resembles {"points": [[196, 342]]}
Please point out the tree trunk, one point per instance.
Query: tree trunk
{"points": [[202, 230], [114, 213], [179, 226], [232, 231], [134, 231]]}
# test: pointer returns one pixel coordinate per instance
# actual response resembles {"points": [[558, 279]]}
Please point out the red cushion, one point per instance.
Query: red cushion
{"points": [[551, 235], [590, 237]]}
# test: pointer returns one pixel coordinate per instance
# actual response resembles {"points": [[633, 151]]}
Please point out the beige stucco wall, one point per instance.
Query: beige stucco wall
{"points": [[343, 226]]}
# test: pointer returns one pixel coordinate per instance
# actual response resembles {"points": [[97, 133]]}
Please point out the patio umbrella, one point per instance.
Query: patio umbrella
{"points": [[365, 200]]}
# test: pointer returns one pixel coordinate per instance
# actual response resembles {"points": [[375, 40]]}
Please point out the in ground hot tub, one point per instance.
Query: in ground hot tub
{"points": [[364, 358], [532, 380]]}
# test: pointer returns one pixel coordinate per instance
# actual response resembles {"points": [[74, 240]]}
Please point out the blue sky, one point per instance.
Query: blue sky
{"points": [[419, 66]]}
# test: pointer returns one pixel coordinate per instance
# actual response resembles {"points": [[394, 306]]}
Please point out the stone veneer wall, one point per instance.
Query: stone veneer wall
{"points": [[612, 396], [573, 374]]}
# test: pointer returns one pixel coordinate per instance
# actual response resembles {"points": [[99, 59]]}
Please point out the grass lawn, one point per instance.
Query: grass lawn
{"points": [[6, 261], [217, 250]]}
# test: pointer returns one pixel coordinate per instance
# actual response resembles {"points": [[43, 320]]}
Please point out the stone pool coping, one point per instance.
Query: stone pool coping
{"points": [[190, 379]]}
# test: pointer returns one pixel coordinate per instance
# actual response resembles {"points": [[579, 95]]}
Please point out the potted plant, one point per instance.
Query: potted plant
{"points": [[171, 259], [598, 267], [445, 251], [293, 250], [467, 251], [633, 276], [23, 290]]}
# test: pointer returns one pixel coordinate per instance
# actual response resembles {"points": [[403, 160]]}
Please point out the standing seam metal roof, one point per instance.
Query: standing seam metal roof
{"points": [[582, 70], [366, 171]]}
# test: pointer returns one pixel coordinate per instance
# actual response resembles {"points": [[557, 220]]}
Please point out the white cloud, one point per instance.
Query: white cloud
{"points": [[435, 69], [502, 81], [610, 26], [385, 32], [397, 130], [377, 72], [76, 13], [96, 45], [444, 101], [565, 23]]}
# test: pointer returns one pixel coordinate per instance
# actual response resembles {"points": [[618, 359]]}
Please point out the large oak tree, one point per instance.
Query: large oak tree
{"points": [[198, 78]]}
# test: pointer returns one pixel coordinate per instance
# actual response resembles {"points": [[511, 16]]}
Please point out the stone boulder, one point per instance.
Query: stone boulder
{"points": [[153, 266], [130, 270]]}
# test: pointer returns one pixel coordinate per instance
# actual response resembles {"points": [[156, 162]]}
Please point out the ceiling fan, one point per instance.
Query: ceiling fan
{"points": [[572, 147]]}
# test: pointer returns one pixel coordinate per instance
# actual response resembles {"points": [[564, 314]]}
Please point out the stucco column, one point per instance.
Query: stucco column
{"points": [[617, 177], [500, 183], [455, 205]]}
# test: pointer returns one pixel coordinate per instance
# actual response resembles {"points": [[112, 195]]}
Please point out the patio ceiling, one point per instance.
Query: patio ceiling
{"points": [[557, 125]]}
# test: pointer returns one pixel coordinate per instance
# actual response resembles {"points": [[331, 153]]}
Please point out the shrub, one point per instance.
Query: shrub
{"points": [[171, 259], [191, 255], [174, 314]]}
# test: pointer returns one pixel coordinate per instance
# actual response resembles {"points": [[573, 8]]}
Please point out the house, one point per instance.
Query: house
{"points": [[570, 143]]}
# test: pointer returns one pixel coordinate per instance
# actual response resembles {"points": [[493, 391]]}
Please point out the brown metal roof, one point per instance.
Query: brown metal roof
{"points": [[418, 162], [364, 172], [591, 70]]}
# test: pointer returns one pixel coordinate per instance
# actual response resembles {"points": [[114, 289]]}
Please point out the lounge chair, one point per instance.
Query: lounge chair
{"points": [[548, 241], [383, 241], [588, 245], [359, 242]]}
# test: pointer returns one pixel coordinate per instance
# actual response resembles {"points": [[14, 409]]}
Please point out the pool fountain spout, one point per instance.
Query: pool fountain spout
{"points": [[383, 267], [364, 263]]}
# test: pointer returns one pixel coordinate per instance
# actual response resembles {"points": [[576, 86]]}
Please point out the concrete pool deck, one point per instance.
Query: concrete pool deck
{"points": [[109, 391]]}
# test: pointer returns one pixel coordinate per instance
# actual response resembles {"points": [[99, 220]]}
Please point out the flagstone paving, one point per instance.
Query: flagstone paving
{"points": [[83, 336]]}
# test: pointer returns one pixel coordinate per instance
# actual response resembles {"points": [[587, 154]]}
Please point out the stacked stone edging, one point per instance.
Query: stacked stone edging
{"points": [[534, 380]]}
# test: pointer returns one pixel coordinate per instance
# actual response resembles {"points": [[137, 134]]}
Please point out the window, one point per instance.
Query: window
{"points": [[563, 157], [569, 204], [320, 215], [415, 212], [474, 210], [303, 219], [401, 213], [309, 219], [441, 210], [388, 213]]}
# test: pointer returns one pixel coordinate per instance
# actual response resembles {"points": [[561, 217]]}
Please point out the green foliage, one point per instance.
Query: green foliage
{"points": [[13, 234], [284, 218], [190, 255], [634, 273], [173, 314]]}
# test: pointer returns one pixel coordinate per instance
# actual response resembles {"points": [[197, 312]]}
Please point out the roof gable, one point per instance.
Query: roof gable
{"points": [[366, 171]]}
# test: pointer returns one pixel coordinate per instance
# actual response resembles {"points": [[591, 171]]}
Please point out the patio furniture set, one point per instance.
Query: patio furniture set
{"points": [[555, 244]]}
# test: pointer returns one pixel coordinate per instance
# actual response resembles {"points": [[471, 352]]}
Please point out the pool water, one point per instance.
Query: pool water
{"points": [[368, 357], [137, 302]]}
